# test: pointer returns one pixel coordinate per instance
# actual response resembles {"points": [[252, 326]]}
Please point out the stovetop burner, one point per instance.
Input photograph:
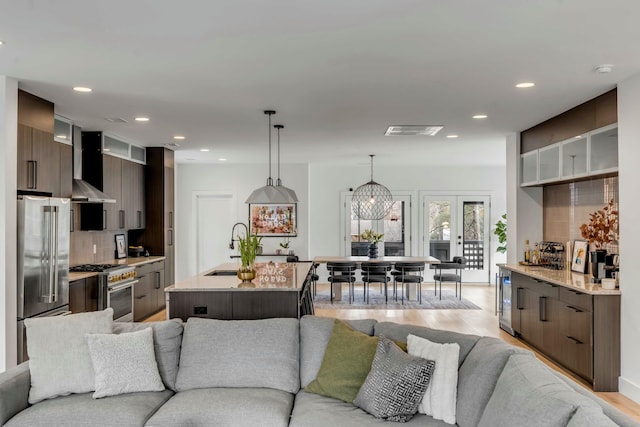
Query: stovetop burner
{"points": [[92, 268]]}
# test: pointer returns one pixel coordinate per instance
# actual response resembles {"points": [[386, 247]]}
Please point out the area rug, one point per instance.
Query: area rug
{"points": [[430, 301]]}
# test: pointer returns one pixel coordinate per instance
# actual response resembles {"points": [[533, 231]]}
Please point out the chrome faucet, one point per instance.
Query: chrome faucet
{"points": [[246, 233]]}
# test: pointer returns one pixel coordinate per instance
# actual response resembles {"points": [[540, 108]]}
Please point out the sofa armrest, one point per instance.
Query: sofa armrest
{"points": [[14, 391]]}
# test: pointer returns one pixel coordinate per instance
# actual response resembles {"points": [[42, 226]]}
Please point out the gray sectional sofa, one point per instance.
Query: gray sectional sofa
{"points": [[253, 373]]}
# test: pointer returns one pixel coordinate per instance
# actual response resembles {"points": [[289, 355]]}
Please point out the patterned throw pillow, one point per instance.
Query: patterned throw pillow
{"points": [[396, 383]]}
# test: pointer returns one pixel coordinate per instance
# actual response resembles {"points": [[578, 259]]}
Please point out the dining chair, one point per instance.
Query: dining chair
{"points": [[342, 272], [406, 273], [457, 264], [375, 272]]}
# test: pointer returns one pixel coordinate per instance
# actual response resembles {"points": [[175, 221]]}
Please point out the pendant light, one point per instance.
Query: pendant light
{"points": [[270, 194], [289, 191], [372, 200]]}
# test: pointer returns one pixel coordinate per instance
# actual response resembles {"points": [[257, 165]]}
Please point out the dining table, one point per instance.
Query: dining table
{"points": [[323, 259]]}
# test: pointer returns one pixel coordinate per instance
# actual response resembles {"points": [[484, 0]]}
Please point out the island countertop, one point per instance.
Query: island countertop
{"points": [[567, 278], [273, 276]]}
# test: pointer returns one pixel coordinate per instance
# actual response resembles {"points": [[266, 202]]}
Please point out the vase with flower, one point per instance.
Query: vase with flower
{"points": [[601, 230], [373, 238], [248, 252]]}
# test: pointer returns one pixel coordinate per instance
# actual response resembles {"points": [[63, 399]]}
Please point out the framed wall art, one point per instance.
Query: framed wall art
{"points": [[579, 258], [121, 246], [273, 220]]}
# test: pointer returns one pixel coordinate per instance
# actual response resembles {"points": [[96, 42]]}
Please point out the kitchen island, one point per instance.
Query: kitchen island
{"points": [[569, 319], [281, 290]]}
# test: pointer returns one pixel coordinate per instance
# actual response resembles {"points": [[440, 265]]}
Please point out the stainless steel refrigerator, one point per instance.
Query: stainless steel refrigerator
{"points": [[43, 260]]}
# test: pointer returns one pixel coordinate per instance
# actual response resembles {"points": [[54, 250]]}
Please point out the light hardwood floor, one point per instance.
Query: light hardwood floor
{"points": [[478, 322]]}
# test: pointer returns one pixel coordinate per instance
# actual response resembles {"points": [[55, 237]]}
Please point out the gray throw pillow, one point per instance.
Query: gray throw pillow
{"points": [[167, 340], [396, 383], [59, 360], [124, 363]]}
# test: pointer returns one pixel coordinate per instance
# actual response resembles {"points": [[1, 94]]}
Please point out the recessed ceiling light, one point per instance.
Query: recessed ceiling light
{"points": [[480, 116], [180, 137], [1, 42], [222, 159], [142, 119], [204, 150], [420, 130], [82, 89], [603, 68], [452, 136], [525, 85]]}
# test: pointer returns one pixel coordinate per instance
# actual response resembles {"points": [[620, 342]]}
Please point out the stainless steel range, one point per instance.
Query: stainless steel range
{"points": [[115, 288]]}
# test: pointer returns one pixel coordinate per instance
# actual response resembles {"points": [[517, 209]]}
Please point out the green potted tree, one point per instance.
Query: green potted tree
{"points": [[501, 232], [248, 250]]}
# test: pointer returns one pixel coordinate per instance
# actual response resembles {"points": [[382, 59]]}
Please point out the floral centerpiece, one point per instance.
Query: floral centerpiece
{"points": [[248, 250], [373, 238], [602, 228]]}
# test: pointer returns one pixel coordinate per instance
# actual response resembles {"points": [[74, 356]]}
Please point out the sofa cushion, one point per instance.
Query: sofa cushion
{"points": [[399, 332], [314, 335], [167, 339], [590, 417], [346, 363], [59, 358], [124, 363], [477, 378], [236, 407], [312, 410], [440, 399], [529, 394], [14, 391], [240, 353], [396, 383], [81, 410]]}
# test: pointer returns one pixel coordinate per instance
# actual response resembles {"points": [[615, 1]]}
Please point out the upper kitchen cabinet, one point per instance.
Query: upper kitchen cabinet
{"points": [[105, 168], [549, 163], [63, 130], [529, 168], [44, 166], [603, 156], [574, 158]]}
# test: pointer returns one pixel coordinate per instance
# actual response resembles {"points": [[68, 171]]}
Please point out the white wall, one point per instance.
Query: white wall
{"points": [[240, 181], [629, 176], [8, 187]]}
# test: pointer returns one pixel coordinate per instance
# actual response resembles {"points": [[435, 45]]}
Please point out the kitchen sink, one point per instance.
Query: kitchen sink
{"points": [[223, 273]]}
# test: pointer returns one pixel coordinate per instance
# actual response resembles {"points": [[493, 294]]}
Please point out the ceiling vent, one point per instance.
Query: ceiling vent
{"points": [[116, 120], [413, 130], [171, 145]]}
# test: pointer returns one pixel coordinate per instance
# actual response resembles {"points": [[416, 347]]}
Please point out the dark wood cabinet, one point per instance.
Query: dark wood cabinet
{"points": [[578, 330], [158, 236], [120, 179], [83, 295], [44, 166], [149, 291]]}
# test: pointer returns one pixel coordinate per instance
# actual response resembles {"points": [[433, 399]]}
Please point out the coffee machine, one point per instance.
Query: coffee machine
{"points": [[598, 261]]}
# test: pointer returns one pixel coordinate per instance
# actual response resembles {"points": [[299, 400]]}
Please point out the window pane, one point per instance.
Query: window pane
{"points": [[394, 230], [439, 229], [473, 236]]}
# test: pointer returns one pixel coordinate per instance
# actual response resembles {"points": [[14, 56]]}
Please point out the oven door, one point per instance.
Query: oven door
{"points": [[120, 298]]}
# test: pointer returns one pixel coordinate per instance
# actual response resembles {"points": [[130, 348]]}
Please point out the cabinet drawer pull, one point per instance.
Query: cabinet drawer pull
{"points": [[141, 296], [575, 292], [122, 219], [139, 213], [31, 174], [576, 309], [104, 219], [519, 299], [542, 308], [575, 340]]}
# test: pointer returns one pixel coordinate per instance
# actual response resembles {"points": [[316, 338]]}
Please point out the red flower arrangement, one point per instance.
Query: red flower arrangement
{"points": [[603, 226]]}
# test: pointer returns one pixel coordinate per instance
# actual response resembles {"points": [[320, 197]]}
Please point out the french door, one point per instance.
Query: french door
{"points": [[459, 225], [395, 226]]}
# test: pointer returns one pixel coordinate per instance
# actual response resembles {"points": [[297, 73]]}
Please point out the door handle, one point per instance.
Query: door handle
{"points": [[122, 214], [170, 243], [31, 178], [104, 219], [575, 340], [157, 280], [519, 305], [170, 219], [139, 213]]}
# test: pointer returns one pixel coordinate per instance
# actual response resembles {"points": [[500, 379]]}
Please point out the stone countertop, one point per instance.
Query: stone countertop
{"points": [[567, 278], [278, 276], [133, 262]]}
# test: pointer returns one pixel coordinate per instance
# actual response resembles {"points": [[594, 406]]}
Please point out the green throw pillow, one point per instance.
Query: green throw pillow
{"points": [[346, 364]]}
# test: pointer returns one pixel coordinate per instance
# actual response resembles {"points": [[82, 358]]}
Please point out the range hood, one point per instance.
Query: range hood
{"points": [[82, 191]]}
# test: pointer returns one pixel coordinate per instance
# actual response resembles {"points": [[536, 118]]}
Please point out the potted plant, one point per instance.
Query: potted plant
{"points": [[285, 246], [501, 232], [248, 250], [373, 238]]}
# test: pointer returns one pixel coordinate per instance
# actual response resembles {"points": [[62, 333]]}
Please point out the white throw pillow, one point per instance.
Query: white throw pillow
{"points": [[59, 360], [440, 398], [124, 363]]}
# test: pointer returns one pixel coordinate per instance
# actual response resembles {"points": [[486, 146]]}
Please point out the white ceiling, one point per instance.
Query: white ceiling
{"points": [[337, 72]]}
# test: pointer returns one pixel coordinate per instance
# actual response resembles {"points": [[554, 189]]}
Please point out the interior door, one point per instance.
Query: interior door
{"points": [[459, 225], [395, 227]]}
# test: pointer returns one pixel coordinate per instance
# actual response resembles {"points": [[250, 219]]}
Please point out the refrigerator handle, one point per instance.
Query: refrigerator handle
{"points": [[48, 296], [54, 256]]}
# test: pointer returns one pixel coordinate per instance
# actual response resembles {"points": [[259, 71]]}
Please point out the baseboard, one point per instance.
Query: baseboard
{"points": [[629, 389]]}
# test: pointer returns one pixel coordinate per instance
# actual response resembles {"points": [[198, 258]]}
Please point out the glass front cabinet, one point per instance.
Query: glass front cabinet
{"points": [[594, 153]]}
